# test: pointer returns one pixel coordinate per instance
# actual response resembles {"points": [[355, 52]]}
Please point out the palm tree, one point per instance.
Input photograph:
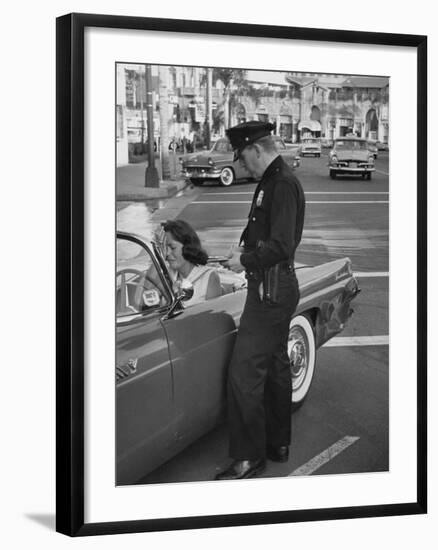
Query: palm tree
{"points": [[234, 81]]}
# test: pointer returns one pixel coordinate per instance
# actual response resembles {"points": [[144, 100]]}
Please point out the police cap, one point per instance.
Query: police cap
{"points": [[246, 133]]}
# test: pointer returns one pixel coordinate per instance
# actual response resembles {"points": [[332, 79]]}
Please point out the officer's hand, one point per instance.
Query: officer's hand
{"points": [[233, 261]]}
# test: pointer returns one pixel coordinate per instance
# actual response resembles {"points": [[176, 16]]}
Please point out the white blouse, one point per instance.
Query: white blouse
{"points": [[199, 276]]}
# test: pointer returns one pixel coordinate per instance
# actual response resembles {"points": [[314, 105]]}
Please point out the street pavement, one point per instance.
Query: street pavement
{"points": [[343, 425], [131, 181]]}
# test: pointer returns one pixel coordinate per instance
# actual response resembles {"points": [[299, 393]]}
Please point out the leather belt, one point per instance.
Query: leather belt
{"points": [[258, 276]]}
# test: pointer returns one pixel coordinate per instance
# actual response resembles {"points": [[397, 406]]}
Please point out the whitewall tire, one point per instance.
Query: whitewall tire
{"points": [[302, 356], [226, 177]]}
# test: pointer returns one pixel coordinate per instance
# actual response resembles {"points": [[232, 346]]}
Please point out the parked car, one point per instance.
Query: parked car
{"points": [[217, 164], [296, 148], [326, 143], [372, 147], [172, 360], [382, 146], [311, 146], [350, 155]]}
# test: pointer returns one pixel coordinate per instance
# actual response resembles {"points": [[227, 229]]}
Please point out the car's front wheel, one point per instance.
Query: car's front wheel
{"points": [[302, 356], [333, 174], [369, 176], [227, 177]]}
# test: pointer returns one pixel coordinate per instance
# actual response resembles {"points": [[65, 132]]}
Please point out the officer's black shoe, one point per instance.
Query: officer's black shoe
{"points": [[278, 454], [242, 469]]}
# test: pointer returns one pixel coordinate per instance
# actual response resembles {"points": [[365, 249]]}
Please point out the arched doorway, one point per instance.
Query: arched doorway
{"points": [[286, 122], [315, 114], [371, 124]]}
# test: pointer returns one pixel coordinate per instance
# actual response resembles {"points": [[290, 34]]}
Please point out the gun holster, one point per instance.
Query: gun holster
{"points": [[268, 288], [270, 282]]}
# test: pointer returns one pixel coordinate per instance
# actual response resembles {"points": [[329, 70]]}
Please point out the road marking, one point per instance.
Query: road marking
{"points": [[311, 193], [344, 341], [307, 202], [365, 274], [319, 460], [347, 202], [232, 193], [382, 172], [221, 230], [346, 192]]}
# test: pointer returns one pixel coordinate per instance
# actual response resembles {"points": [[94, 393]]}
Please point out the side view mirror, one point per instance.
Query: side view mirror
{"points": [[186, 291]]}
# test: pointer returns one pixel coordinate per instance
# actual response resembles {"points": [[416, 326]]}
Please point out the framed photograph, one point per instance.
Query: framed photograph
{"points": [[155, 195]]}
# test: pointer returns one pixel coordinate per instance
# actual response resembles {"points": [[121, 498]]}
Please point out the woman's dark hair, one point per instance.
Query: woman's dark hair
{"points": [[184, 233]]}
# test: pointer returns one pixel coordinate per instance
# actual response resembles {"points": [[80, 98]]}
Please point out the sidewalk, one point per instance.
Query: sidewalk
{"points": [[130, 184]]}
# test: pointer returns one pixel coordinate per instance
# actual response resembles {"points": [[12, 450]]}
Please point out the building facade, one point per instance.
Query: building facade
{"points": [[298, 104]]}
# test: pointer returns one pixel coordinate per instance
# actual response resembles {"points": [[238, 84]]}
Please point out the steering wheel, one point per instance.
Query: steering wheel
{"points": [[125, 306]]}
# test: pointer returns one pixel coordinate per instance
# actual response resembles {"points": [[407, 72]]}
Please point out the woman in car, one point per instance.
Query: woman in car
{"points": [[187, 260]]}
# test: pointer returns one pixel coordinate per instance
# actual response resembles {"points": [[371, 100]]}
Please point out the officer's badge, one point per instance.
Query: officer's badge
{"points": [[259, 198]]}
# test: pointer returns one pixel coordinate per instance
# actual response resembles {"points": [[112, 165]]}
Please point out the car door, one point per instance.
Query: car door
{"points": [[145, 420], [201, 341]]}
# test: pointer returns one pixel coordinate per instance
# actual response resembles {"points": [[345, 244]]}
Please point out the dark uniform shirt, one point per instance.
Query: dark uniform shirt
{"points": [[276, 218]]}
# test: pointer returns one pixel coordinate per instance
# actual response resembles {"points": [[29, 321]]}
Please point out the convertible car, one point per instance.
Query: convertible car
{"points": [[217, 164], [172, 359]]}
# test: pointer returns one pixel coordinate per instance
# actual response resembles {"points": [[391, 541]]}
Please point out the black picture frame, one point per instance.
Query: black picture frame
{"points": [[70, 273]]}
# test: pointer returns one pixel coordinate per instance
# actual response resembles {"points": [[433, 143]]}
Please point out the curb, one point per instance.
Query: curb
{"points": [[176, 204], [166, 190]]}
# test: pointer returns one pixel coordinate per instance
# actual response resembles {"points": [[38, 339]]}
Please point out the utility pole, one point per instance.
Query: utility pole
{"points": [[208, 103], [151, 176], [163, 72], [141, 112]]}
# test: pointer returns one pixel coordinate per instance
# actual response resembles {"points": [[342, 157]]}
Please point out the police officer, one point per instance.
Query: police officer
{"points": [[259, 377]]}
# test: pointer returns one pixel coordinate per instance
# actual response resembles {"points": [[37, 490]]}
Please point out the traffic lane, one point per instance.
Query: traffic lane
{"points": [[359, 231], [201, 461], [314, 175], [348, 397], [331, 231], [371, 309]]}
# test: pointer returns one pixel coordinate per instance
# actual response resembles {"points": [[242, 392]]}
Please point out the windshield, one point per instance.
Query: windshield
{"points": [[222, 146], [139, 287], [308, 140], [350, 144]]}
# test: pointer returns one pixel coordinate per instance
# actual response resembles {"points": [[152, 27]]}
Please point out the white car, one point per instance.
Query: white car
{"points": [[351, 155], [311, 146]]}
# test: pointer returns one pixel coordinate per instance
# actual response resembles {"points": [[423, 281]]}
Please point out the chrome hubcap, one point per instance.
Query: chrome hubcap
{"points": [[298, 347], [227, 176]]}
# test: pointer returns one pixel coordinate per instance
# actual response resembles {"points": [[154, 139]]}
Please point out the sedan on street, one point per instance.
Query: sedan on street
{"points": [[218, 164], [311, 146], [351, 156]]}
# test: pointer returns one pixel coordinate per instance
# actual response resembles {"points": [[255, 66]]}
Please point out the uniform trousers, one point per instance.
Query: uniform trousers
{"points": [[259, 387]]}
